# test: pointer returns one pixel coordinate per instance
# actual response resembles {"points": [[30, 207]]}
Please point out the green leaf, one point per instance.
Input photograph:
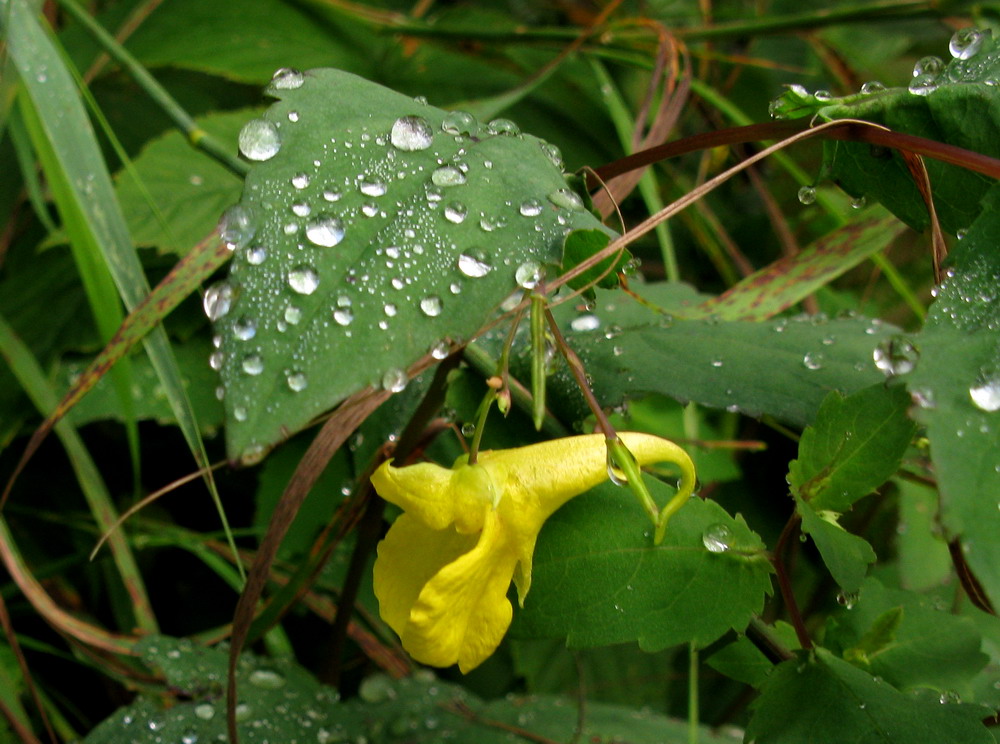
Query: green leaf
{"points": [[743, 661], [361, 252], [581, 245], [847, 556], [783, 368], [958, 105], [853, 447], [927, 647], [924, 561], [822, 699], [598, 579], [956, 384], [190, 189]]}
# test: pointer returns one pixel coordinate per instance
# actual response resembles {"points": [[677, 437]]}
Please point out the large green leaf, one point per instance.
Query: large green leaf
{"points": [[957, 103], [847, 556], [783, 368], [598, 578], [956, 383], [281, 702], [374, 231], [822, 699]]}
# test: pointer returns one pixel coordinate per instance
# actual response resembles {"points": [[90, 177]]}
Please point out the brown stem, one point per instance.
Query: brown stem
{"points": [[791, 527]]}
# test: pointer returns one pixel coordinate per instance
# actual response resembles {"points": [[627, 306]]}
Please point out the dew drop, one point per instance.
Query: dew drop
{"points": [[813, 360], [717, 538], [325, 231], [411, 133], [966, 42], [242, 711], [859, 203], [372, 187], [256, 254], [390, 309], [871, 87], [823, 95], [847, 599], [259, 140], [215, 360], [265, 678], [456, 212], [923, 85], [332, 195], [292, 315], [369, 209], [895, 356], [253, 364], [459, 122], [245, 328], [240, 413], [394, 380], [587, 322], [440, 350], [567, 199], [529, 274], [300, 180], [293, 116], [217, 300], [286, 78], [447, 176], [301, 209], [472, 266], [928, 66], [807, 194], [530, 208], [431, 306], [986, 394], [205, 711], [236, 226], [552, 153], [303, 279], [504, 127]]}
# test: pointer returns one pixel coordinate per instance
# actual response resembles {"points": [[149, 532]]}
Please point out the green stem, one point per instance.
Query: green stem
{"points": [[197, 136], [481, 414], [692, 694]]}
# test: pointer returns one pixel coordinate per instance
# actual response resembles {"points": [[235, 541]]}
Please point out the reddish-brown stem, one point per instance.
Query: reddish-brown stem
{"points": [[791, 527]]}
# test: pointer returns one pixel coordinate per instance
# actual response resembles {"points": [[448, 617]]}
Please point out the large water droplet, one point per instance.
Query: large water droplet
{"points": [[259, 140], [256, 254], [717, 538], [552, 153], [459, 122], [966, 42], [293, 315], [411, 133], [567, 199], [394, 380], [343, 315], [245, 328], [986, 394], [928, 66], [872, 87], [215, 360], [456, 212], [529, 274], [530, 208], [253, 364], [504, 126], [300, 180], [813, 360], [325, 230], [265, 678], [807, 194], [440, 350], [895, 356], [217, 301], [923, 85], [286, 78], [431, 306], [236, 226], [447, 175], [472, 266], [586, 322], [301, 209], [303, 279], [372, 187], [205, 711]]}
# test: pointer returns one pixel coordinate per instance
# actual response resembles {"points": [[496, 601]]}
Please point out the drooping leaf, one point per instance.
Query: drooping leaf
{"points": [[374, 230], [955, 102], [853, 447], [583, 244], [822, 699], [743, 661], [847, 556], [956, 384], [598, 578]]}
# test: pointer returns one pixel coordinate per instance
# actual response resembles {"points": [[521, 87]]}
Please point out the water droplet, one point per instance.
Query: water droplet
{"points": [[292, 315], [567, 199], [949, 696], [504, 127], [256, 254], [872, 86], [923, 397], [390, 309], [154, 724], [859, 203], [253, 364], [300, 180], [716, 362], [372, 187], [303, 279], [456, 212], [325, 231], [529, 274], [472, 266], [286, 78], [459, 122], [215, 360], [411, 133], [293, 116], [332, 195], [717, 538], [587, 322], [530, 208], [895, 356], [189, 737], [236, 226], [615, 474], [265, 678], [446, 176], [813, 360], [617, 350], [928, 66], [966, 42], [847, 599], [259, 140], [301, 209], [923, 85], [369, 209], [431, 306], [245, 328], [240, 413], [205, 711], [242, 711], [986, 394], [552, 153], [343, 315], [217, 300], [440, 350], [807, 194], [394, 380]]}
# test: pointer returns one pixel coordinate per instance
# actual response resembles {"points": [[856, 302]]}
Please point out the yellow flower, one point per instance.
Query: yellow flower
{"points": [[443, 570]]}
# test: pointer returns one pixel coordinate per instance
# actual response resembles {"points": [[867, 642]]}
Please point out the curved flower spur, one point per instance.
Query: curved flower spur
{"points": [[443, 569]]}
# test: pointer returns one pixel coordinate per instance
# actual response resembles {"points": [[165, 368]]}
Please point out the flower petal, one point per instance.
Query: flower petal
{"points": [[409, 556], [463, 612]]}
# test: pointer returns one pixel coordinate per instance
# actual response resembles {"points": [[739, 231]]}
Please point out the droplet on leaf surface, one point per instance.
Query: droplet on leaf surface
{"points": [[717, 538], [259, 140], [411, 133]]}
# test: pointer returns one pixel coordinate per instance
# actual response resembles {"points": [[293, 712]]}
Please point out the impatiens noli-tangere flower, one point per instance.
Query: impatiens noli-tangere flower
{"points": [[444, 567]]}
